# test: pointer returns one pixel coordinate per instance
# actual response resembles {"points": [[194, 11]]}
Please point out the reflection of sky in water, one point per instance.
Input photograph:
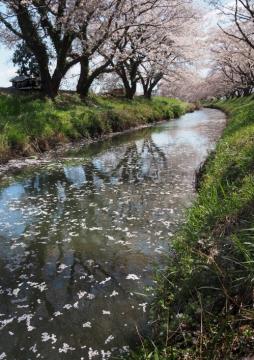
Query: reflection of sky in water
{"points": [[79, 242], [10, 213], [186, 138], [98, 164], [76, 175], [162, 139], [97, 182], [139, 144], [108, 160]]}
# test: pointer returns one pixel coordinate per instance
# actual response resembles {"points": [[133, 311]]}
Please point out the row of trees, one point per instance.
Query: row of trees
{"points": [[228, 56], [141, 41], [232, 51]]}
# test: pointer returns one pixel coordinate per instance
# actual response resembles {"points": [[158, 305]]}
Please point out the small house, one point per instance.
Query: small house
{"points": [[24, 82]]}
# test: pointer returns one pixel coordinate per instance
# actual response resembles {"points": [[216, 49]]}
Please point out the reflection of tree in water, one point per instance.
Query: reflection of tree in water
{"points": [[45, 260], [140, 160], [38, 255], [138, 163], [45, 247]]}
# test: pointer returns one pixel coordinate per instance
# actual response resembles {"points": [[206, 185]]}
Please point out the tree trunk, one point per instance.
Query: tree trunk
{"points": [[30, 32], [86, 77], [145, 85], [130, 85], [148, 93], [130, 91], [84, 82], [34, 42], [246, 91], [150, 84], [47, 84]]}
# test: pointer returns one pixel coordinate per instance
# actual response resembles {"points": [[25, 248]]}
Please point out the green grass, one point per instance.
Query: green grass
{"points": [[204, 304], [29, 124]]}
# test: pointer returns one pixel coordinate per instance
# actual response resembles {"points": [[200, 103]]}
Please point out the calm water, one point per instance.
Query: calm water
{"points": [[80, 240]]}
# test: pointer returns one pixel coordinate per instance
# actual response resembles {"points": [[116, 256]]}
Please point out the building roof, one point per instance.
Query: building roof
{"points": [[20, 78], [23, 78]]}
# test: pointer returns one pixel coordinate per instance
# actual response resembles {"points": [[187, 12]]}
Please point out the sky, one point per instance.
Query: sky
{"points": [[7, 70]]}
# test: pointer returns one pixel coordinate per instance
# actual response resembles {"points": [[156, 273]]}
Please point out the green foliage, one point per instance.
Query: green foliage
{"points": [[16, 137], [25, 60], [29, 124], [204, 304]]}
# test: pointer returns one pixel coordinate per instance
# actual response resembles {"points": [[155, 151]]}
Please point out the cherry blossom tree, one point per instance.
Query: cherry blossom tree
{"points": [[41, 24], [146, 54], [162, 64], [237, 20], [186, 84], [126, 52], [71, 30], [228, 54], [232, 56], [234, 59], [140, 40], [77, 31]]}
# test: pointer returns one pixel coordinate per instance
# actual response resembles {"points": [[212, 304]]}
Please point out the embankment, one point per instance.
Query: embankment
{"points": [[29, 125]]}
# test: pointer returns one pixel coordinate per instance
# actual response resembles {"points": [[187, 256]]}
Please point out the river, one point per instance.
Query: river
{"points": [[80, 239]]}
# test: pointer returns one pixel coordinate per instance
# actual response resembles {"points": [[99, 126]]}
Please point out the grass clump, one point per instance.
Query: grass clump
{"points": [[29, 124], [204, 307]]}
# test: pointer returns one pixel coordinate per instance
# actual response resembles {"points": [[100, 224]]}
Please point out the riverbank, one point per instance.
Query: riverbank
{"points": [[30, 126], [204, 303]]}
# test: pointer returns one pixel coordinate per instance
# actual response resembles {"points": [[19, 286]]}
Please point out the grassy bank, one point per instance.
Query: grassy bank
{"points": [[204, 305], [29, 125]]}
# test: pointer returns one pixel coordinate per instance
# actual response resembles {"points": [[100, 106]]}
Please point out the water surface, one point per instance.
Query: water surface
{"points": [[80, 240]]}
